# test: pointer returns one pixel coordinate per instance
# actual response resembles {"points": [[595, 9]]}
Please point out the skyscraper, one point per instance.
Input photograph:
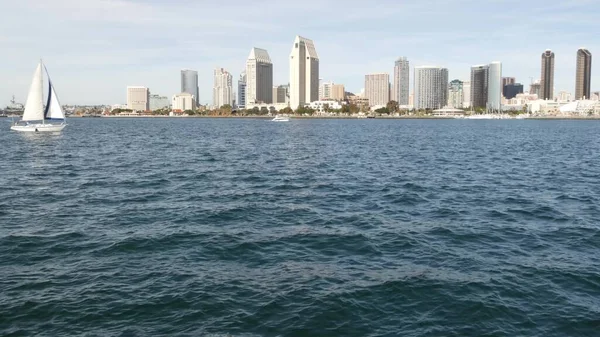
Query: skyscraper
{"points": [[547, 84], [466, 94], [535, 88], [430, 88], [494, 100], [241, 100], [189, 83], [304, 72], [138, 98], [583, 74], [455, 94], [259, 77], [377, 89], [280, 94], [401, 80], [508, 80], [479, 86], [512, 90], [223, 88]]}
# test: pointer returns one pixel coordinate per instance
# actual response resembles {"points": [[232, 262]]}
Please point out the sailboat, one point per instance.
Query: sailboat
{"points": [[37, 117]]}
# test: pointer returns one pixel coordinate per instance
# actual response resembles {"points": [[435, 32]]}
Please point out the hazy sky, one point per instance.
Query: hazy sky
{"points": [[95, 48]]}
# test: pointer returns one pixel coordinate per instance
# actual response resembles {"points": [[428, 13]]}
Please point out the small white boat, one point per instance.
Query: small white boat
{"points": [[37, 117], [280, 118]]}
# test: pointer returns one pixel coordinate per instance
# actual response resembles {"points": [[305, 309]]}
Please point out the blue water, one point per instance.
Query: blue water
{"points": [[243, 227]]}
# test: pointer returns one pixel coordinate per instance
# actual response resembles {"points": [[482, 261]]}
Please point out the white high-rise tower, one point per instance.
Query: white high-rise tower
{"points": [[304, 73], [259, 78], [223, 88], [494, 101]]}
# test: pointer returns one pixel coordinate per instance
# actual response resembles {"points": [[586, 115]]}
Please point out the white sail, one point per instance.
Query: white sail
{"points": [[34, 107], [53, 108]]}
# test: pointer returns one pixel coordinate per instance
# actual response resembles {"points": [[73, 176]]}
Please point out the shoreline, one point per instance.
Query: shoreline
{"points": [[350, 117]]}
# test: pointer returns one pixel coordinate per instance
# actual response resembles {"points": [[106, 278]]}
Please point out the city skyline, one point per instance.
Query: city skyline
{"points": [[147, 37]]}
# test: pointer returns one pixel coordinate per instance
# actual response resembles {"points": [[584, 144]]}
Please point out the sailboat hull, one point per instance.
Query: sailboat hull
{"points": [[39, 127]]}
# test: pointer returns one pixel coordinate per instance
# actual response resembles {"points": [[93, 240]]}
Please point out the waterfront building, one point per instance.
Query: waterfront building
{"points": [[377, 89], [535, 88], [321, 106], [479, 86], [280, 94], [304, 72], [547, 82], [189, 83], [494, 101], [241, 100], [401, 81], [338, 92], [510, 91], [455, 94], [138, 98], [259, 78], [222, 88], [583, 73], [158, 102], [183, 101], [430, 87], [325, 90], [466, 94]]}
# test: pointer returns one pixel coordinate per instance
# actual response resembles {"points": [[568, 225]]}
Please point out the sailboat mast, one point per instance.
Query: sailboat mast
{"points": [[42, 79]]}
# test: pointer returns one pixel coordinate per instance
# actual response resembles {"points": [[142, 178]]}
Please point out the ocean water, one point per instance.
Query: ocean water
{"points": [[243, 227]]}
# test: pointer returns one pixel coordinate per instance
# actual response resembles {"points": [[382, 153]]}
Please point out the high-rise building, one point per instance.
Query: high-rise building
{"points": [[479, 86], [325, 90], [259, 77], [222, 88], [583, 74], [401, 81], [338, 92], [466, 94], [508, 80], [241, 100], [535, 88], [158, 102], [280, 94], [547, 83], [189, 83], [430, 87], [377, 89], [512, 90], [184, 101], [304, 72], [455, 94], [138, 98], [494, 100]]}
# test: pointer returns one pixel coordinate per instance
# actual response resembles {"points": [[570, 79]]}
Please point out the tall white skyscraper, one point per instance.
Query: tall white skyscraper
{"points": [[304, 73], [494, 101], [377, 89], [223, 88], [401, 81], [189, 83], [466, 94], [259, 77], [138, 98], [431, 87]]}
